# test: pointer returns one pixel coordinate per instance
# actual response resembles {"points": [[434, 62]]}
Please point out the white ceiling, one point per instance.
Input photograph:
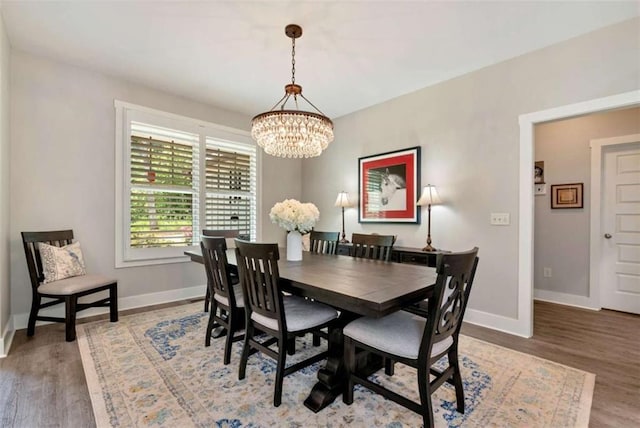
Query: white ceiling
{"points": [[353, 54]]}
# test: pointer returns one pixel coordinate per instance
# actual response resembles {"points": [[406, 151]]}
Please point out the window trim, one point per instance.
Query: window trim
{"points": [[125, 113]]}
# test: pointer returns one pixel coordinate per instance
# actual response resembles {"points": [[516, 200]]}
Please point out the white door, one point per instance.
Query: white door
{"points": [[620, 233]]}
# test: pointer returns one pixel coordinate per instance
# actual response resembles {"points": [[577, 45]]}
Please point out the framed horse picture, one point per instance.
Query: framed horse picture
{"points": [[388, 187]]}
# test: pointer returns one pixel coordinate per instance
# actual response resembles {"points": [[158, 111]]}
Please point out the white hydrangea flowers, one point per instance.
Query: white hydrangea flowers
{"points": [[293, 215]]}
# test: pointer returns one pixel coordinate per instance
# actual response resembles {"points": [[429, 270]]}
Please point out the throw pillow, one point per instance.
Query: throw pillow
{"points": [[61, 262]]}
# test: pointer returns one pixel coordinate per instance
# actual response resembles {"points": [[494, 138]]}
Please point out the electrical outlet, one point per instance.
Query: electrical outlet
{"points": [[500, 219], [547, 272]]}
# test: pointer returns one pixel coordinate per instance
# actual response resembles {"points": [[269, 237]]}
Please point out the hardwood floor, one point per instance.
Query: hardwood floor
{"points": [[42, 381], [606, 343]]}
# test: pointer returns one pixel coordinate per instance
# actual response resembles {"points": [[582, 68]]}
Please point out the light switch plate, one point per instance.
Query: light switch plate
{"points": [[500, 219]]}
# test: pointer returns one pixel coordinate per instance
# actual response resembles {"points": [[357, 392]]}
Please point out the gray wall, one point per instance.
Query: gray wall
{"points": [[5, 290], [469, 133], [562, 236], [62, 169]]}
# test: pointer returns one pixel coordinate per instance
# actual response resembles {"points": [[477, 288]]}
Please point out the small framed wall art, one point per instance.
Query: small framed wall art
{"points": [[567, 195]]}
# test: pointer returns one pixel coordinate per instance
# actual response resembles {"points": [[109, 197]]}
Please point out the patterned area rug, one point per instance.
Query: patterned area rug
{"points": [[152, 369]]}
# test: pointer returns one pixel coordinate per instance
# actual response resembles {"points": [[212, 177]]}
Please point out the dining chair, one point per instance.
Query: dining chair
{"points": [[281, 317], [229, 236], [227, 295], [417, 341], [372, 246], [64, 288], [324, 242]]}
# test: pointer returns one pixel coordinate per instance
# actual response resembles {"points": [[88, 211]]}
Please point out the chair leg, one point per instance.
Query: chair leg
{"points": [[457, 378], [210, 324], [207, 298], [282, 358], [350, 368], [113, 303], [70, 317], [291, 346], [229, 342], [425, 397], [35, 305], [248, 335], [389, 366]]}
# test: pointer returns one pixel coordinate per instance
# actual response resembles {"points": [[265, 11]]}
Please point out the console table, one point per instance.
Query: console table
{"points": [[403, 255]]}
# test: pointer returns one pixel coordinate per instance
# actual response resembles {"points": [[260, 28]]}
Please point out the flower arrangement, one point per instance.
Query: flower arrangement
{"points": [[293, 215]]}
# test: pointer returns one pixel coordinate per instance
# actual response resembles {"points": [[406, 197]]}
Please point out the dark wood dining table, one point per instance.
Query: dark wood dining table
{"points": [[355, 286]]}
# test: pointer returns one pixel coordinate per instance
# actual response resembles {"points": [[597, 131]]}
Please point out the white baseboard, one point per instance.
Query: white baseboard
{"points": [[131, 302], [7, 338], [495, 322], [565, 299]]}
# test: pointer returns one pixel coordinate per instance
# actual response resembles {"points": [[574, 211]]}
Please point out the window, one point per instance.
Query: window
{"points": [[176, 176]]}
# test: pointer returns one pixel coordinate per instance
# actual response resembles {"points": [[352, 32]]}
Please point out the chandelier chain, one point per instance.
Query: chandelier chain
{"points": [[293, 60]]}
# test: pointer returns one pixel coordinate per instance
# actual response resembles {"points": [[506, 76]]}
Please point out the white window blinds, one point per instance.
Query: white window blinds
{"points": [[230, 174], [163, 177]]}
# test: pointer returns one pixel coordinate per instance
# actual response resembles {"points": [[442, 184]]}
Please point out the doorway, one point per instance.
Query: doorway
{"points": [[562, 231], [524, 323]]}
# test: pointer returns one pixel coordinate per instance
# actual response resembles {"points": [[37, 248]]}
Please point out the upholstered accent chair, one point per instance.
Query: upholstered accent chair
{"points": [[324, 242], [417, 341], [372, 246], [229, 236], [65, 290], [227, 305], [281, 317]]}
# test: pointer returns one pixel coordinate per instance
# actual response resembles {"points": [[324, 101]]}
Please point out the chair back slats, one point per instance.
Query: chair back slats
{"points": [[451, 294], [214, 253], [372, 246], [259, 275], [221, 233], [225, 233], [30, 241], [324, 242]]}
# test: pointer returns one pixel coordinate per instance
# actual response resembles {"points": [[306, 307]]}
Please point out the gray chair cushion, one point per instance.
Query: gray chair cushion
{"points": [[75, 284], [300, 314], [399, 333], [237, 291]]}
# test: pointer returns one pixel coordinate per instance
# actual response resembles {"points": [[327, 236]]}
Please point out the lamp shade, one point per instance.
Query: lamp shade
{"points": [[429, 196], [342, 200]]}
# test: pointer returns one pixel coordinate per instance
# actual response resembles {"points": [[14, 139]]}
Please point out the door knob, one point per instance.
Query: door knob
{"points": [[607, 235]]}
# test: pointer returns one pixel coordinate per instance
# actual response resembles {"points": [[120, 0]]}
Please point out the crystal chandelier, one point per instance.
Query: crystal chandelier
{"points": [[292, 133]]}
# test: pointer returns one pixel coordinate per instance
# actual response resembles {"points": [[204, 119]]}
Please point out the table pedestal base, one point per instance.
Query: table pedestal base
{"points": [[331, 378]]}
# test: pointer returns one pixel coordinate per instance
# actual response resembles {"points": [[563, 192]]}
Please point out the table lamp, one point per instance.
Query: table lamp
{"points": [[343, 201], [429, 197]]}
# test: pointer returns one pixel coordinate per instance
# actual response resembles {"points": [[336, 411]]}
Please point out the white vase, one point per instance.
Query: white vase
{"points": [[294, 246]]}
